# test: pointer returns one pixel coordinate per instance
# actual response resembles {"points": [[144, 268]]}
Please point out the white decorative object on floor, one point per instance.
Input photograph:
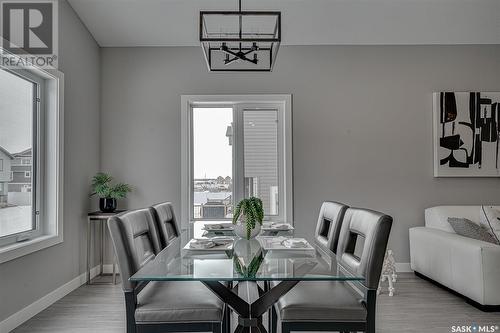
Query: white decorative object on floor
{"points": [[388, 273]]}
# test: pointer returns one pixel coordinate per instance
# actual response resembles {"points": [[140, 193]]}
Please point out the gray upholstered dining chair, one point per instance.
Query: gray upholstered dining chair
{"points": [[169, 234], [166, 222], [342, 306], [158, 306], [326, 235], [329, 223]]}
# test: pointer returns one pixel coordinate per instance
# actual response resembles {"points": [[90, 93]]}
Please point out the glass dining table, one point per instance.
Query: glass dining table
{"points": [[248, 275]]}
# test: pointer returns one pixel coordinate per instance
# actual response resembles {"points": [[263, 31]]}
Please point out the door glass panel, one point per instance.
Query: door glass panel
{"points": [[260, 139], [212, 163]]}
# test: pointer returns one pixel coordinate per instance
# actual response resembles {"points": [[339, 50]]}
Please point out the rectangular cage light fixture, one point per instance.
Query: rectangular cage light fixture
{"points": [[240, 41]]}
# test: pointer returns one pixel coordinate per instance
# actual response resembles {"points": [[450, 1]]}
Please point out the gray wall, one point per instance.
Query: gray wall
{"points": [[362, 123], [26, 279]]}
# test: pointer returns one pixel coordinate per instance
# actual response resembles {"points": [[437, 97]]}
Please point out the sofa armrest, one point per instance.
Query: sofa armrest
{"points": [[468, 266]]}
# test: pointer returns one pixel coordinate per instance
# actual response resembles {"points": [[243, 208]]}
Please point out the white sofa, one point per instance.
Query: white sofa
{"points": [[468, 266]]}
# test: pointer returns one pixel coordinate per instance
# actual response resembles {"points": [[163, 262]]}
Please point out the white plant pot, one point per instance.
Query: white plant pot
{"points": [[240, 229]]}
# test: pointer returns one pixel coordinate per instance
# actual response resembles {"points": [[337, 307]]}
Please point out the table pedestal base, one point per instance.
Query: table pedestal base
{"points": [[249, 301]]}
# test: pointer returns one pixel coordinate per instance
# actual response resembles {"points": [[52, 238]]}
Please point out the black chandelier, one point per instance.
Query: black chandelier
{"points": [[240, 41]]}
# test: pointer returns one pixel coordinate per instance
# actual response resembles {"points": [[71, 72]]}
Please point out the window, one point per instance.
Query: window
{"points": [[1, 165], [19, 136], [212, 163], [236, 147], [31, 114]]}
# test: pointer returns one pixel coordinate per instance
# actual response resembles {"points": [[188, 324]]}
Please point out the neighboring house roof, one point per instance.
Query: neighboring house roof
{"points": [[26, 152], [6, 152]]}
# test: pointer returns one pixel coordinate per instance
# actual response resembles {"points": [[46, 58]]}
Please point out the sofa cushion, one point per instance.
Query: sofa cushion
{"points": [[489, 218], [467, 228]]}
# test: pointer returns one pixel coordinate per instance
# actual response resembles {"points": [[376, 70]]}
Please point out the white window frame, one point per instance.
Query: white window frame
{"points": [[27, 174], [237, 102], [48, 158]]}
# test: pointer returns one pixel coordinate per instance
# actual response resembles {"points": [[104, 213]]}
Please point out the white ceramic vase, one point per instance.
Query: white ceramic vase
{"points": [[240, 229]]}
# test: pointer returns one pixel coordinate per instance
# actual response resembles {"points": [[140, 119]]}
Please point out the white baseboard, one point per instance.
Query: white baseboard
{"points": [[41, 304], [403, 267]]}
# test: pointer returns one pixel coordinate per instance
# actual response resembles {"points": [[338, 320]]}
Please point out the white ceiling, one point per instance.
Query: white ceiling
{"points": [[305, 22]]}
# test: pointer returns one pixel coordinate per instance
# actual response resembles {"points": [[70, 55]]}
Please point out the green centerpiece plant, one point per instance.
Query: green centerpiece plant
{"points": [[248, 216]]}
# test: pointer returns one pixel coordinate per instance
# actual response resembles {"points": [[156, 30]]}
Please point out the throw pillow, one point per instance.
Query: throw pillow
{"points": [[489, 218], [467, 228]]}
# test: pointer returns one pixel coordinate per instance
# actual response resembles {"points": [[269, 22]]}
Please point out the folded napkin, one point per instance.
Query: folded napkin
{"points": [[201, 244], [281, 226], [295, 243], [218, 226], [212, 226], [222, 240], [275, 225]]}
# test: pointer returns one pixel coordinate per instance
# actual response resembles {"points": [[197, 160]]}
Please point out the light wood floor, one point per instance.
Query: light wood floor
{"points": [[417, 306]]}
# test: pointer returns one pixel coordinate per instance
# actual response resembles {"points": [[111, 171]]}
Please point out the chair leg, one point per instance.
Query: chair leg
{"points": [[274, 320], [226, 323], [217, 328], [130, 310], [371, 301], [285, 327]]}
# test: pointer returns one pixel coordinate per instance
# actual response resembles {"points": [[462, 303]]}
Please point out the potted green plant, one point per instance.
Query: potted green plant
{"points": [[107, 192], [247, 217]]}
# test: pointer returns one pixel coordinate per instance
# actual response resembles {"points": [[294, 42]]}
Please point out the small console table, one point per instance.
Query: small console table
{"points": [[102, 219]]}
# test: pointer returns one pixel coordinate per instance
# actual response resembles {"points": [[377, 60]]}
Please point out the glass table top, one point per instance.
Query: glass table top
{"points": [[260, 259]]}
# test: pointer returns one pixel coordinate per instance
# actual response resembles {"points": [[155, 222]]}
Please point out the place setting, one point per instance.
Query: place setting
{"points": [[284, 243], [219, 243], [276, 226], [218, 227]]}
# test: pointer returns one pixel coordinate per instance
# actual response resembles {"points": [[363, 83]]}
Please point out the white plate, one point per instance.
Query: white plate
{"points": [[223, 247], [278, 227], [272, 227], [277, 243], [218, 227]]}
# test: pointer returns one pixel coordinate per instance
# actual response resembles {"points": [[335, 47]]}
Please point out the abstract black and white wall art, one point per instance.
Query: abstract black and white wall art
{"points": [[466, 134]]}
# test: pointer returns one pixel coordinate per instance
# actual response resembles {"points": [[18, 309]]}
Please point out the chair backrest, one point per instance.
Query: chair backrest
{"points": [[166, 222], [329, 223], [374, 228], [135, 240]]}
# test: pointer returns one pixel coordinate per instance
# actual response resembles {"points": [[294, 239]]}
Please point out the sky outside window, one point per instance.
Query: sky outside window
{"points": [[16, 107], [212, 153]]}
